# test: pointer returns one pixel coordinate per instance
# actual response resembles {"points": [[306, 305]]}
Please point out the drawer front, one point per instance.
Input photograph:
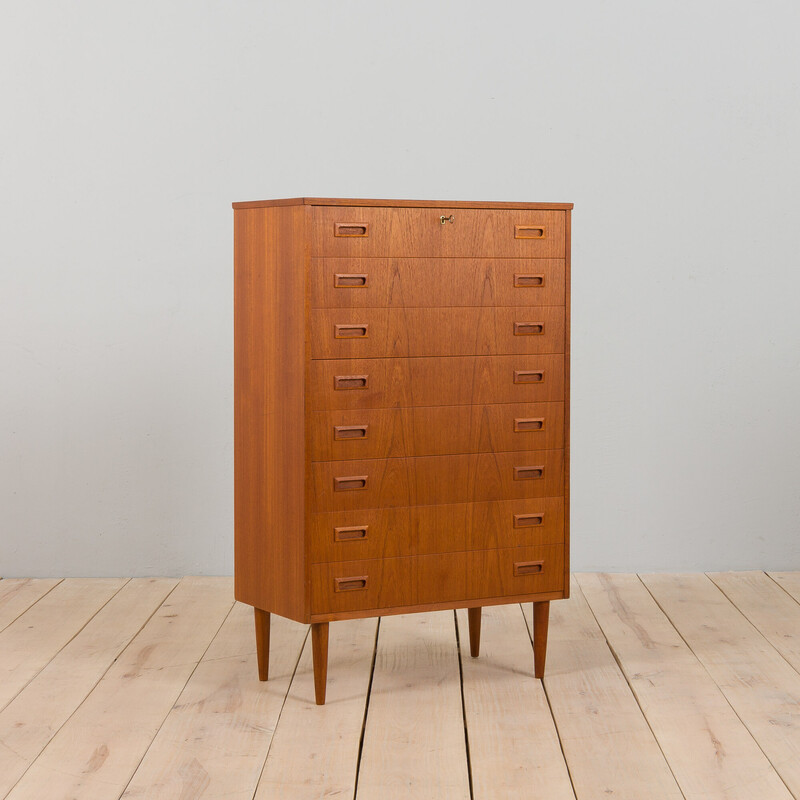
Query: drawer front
{"points": [[434, 430], [417, 530], [451, 577], [442, 282], [396, 332], [429, 480], [473, 232], [434, 381]]}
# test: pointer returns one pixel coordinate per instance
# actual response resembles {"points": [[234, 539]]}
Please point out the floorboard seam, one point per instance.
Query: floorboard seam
{"points": [[463, 706], [280, 713], [189, 677], [633, 693], [44, 666], [711, 677], [366, 708], [744, 614], [75, 710], [28, 608]]}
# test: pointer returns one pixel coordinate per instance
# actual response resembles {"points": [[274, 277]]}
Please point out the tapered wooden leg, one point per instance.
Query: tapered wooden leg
{"points": [[474, 615], [319, 647], [541, 616], [262, 643]]}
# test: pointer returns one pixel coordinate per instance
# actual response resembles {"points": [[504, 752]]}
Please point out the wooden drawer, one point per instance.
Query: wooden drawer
{"points": [[451, 577], [474, 232], [417, 530], [398, 332], [434, 381], [429, 480], [434, 430], [442, 282]]}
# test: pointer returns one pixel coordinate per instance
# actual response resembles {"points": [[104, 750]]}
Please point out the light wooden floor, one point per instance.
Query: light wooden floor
{"points": [[657, 687]]}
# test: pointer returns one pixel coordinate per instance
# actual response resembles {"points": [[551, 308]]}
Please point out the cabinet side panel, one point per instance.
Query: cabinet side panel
{"points": [[568, 299], [269, 438]]}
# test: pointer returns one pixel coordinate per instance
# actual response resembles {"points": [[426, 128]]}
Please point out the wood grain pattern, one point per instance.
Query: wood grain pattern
{"points": [[436, 381], [269, 446], [567, 372], [513, 741], [430, 480], [29, 642], [214, 740], [397, 333], [17, 595], [768, 606], [401, 393], [415, 749], [436, 578], [434, 430], [608, 745], [417, 530], [407, 231], [762, 688], [98, 749], [314, 752], [36, 714], [710, 751], [436, 282]]}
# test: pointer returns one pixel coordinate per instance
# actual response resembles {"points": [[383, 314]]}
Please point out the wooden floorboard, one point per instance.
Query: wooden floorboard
{"points": [[17, 595], [36, 714], [761, 686], [509, 725], [215, 739], [768, 606], [414, 743], [658, 687], [28, 643], [609, 747], [314, 752], [98, 749], [710, 751]]}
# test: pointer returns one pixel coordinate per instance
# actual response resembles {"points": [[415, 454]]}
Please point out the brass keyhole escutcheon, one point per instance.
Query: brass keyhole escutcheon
{"points": [[443, 219]]}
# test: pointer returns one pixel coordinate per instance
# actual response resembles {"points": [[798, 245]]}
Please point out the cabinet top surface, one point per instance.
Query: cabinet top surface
{"points": [[344, 201]]}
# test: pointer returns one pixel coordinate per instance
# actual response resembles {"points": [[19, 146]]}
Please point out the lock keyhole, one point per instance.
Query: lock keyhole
{"points": [[443, 219]]}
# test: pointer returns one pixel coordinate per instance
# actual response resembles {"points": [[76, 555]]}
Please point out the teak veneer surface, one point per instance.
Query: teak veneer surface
{"points": [[402, 406], [414, 530], [436, 381], [418, 232], [436, 282], [427, 480], [407, 332], [340, 434]]}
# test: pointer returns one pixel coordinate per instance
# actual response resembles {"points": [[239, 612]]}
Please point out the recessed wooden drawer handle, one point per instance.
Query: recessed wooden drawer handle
{"points": [[523, 280], [528, 520], [350, 584], [350, 382], [350, 432], [354, 534], [350, 483], [350, 331], [533, 424], [349, 280], [528, 328], [528, 473], [528, 568], [528, 376], [529, 232], [351, 229]]}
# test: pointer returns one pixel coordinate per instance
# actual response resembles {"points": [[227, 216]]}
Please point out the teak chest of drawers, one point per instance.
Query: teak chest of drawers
{"points": [[401, 411]]}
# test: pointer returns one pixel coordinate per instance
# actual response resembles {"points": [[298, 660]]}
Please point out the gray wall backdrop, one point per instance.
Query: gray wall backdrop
{"points": [[130, 127]]}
